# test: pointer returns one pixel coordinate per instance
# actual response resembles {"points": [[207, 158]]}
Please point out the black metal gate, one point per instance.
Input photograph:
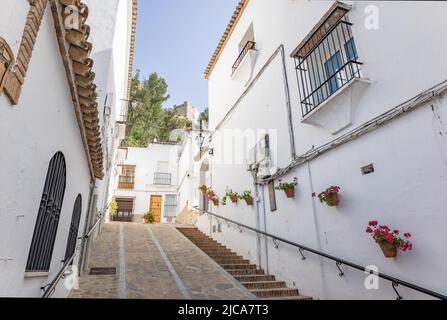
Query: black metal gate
{"points": [[41, 251], [74, 228]]}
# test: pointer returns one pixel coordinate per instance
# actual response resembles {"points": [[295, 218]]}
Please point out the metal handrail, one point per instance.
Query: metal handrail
{"points": [[51, 287], [395, 281]]}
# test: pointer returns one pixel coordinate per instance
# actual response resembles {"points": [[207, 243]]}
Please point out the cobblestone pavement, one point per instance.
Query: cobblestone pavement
{"points": [[155, 262]]}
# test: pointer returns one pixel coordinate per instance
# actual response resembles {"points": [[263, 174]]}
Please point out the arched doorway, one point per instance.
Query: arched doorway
{"points": [[45, 230], [74, 228]]}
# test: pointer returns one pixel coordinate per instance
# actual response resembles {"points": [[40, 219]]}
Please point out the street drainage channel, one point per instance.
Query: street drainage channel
{"points": [[102, 271]]}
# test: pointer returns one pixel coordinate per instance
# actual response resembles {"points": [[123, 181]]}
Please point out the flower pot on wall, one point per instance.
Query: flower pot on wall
{"points": [[233, 199], [389, 250], [290, 192], [333, 200], [211, 194], [249, 201], [215, 202]]}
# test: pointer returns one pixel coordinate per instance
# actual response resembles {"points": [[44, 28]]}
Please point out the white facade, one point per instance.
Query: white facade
{"points": [[155, 175], [43, 123], [407, 191]]}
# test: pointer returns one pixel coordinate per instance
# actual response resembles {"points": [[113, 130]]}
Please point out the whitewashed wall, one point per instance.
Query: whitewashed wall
{"points": [[42, 124], [110, 34], [408, 189], [145, 160]]}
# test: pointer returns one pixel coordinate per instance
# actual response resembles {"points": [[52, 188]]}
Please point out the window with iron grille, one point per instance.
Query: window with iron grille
{"points": [[170, 206], [127, 177], [74, 228], [327, 59], [161, 178], [45, 230]]}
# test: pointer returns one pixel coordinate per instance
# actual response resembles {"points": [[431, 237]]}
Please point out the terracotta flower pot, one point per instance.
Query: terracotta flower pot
{"points": [[233, 199], [389, 250], [211, 194], [249, 201], [290, 192], [215, 201], [333, 200]]}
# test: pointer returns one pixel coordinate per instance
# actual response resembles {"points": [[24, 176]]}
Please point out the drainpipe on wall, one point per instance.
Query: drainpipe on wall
{"points": [[84, 258], [264, 218], [258, 219]]}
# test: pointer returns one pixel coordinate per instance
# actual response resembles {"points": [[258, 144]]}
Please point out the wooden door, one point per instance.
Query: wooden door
{"points": [[155, 207]]}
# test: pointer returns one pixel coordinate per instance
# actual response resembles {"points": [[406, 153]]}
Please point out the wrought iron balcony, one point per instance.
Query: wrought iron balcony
{"points": [[162, 178], [250, 45], [325, 64]]}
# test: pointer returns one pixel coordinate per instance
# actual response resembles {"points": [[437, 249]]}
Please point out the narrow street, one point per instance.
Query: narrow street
{"points": [[154, 262]]}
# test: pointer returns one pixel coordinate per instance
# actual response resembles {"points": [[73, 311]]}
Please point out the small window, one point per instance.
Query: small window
{"points": [[332, 66], [74, 228], [45, 230], [326, 59], [246, 44], [127, 177], [170, 206], [351, 51]]}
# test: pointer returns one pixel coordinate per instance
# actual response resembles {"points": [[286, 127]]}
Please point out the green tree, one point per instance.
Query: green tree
{"points": [[204, 116], [147, 120]]}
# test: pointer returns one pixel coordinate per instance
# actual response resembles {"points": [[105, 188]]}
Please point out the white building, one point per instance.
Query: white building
{"points": [[146, 181], [352, 94], [57, 127]]}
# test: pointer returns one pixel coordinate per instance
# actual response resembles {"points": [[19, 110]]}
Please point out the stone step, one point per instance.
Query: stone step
{"points": [[216, 251], [243, 272], [206, 244], [200, 239], [230, 260], [217, 255], [264, 284], [212, 246], [255, 277], [238, 266], [278, 292]]}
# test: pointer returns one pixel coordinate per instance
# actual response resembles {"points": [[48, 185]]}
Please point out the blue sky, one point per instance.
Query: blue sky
{"points": [[176, 39]]}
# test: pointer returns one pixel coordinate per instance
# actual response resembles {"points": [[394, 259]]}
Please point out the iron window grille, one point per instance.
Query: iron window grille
{"points": [[327, 61], [42, 245], [74, 228], [161, 178], [170, 206], [127, 177], [250, 45]]}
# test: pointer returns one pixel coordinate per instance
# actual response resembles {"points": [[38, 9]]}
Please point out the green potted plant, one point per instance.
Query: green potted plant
{"points": [[247, 197], [113, 209], [230, 194], [149, 218], [330, 196], [288, 187], [389, 241]]}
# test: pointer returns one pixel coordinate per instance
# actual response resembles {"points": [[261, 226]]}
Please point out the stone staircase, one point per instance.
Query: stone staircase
{"points": [[249, 275]]}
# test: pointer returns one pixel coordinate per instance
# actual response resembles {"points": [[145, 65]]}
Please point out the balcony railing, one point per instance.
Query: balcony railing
{"points": [[327, 65], [161, 178], [250, 45]]}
